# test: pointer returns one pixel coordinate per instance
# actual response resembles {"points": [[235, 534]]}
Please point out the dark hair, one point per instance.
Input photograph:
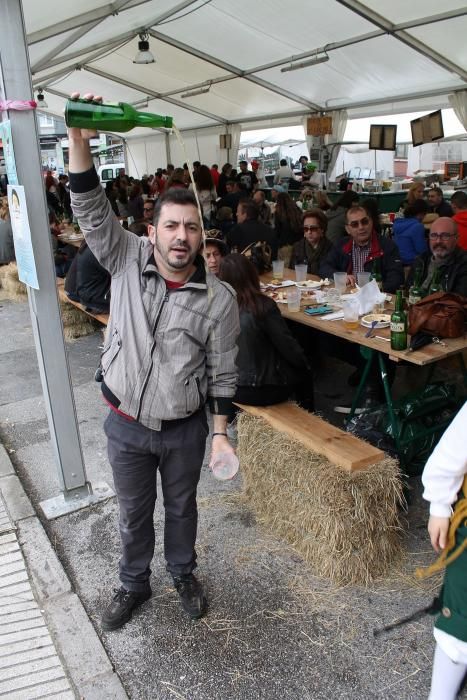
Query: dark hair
{"points": [[243, 162], [354, 209], [177, 178], [139, 228], [242, 275], [250, 208], [203, 178], [283, 162], [418, 207], [214, 166], [196, 164], [135, 190], [230, 181], [317, 214], [346, 200], [177, 195], [123, 195], [226, 168], [288, 213], [459, 199], [438, 190], [343, 184]]}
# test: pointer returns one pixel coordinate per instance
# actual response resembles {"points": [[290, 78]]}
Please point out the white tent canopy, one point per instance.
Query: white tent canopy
{"points": [[381, 58]]}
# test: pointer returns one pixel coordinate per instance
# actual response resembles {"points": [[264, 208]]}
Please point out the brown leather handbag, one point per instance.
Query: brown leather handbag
{"points": [[441, 314]]}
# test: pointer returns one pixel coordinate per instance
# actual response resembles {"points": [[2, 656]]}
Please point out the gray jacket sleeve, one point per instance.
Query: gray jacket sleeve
{"points": [[114, 247], [221, 355]]}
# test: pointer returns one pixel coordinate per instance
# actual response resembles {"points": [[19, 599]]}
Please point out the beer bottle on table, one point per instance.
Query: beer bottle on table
{"points": [[435, 284], [415, 291], [106, 116], [376, 273], [399, 324]]}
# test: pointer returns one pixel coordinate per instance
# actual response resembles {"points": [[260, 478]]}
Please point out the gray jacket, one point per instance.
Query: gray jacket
{"points": [[166, 352]]}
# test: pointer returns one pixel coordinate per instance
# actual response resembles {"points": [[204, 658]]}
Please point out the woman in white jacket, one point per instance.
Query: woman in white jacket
{"points": [[445, 482]]}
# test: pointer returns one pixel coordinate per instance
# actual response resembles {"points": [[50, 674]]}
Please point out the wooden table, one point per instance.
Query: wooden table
{"points": [[369, 347], [70, 231]]}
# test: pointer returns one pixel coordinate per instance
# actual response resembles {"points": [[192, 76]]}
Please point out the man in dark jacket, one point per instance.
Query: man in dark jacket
{"points": [[364, 251], [249, 229], [444, 255], [437, 203]]}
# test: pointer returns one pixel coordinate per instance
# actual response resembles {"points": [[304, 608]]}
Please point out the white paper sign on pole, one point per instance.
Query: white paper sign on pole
{"points": [[24, 253]]}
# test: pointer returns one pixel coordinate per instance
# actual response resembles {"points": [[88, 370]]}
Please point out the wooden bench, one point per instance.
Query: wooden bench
{"points": [[341, 448], [333, 497], [63, 296]]}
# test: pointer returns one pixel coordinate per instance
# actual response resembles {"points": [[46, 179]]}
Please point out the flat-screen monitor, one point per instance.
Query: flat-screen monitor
{"points": [[427, 129], [383, 137]]}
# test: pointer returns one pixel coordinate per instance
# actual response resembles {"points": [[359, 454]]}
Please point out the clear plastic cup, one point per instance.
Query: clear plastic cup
{"points": [[301, 273], [225, 466], [351, 315], [363, 278], [340, 281], [293, 299], [278, 269]]}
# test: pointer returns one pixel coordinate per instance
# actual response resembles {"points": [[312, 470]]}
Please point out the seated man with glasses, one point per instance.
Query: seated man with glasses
{"points": [[364, 251], [148, 210], [314, 246], [444, 255]]}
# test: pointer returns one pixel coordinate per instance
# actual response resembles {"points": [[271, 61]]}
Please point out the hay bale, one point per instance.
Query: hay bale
{"points": [[11, 285], [76, 323], [345, 524]]}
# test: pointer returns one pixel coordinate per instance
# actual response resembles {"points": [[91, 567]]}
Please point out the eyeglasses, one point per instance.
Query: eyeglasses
{"points": [[148, 208], [311, 228], [355, 224], [443, 236]]}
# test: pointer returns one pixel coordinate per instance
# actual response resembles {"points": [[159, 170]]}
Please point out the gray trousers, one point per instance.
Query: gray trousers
{"points": [[135, 453]]}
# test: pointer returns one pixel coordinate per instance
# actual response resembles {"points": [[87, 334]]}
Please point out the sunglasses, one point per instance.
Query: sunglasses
{"points": [[148, 209], [355, 224], [311, 228], [444, 236]]}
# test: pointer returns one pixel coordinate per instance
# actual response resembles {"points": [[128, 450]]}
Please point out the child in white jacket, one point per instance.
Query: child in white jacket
{"points": [[445, 488]]}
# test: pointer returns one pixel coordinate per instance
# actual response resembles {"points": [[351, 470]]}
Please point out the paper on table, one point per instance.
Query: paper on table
{"points": [[335, 316]]}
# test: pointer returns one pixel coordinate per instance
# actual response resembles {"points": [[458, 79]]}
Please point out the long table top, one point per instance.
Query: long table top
{"points": [[426, 355]]}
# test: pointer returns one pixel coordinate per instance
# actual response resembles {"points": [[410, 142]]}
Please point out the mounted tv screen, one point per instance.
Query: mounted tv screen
{"points": [[427, 129], [383, 137]]}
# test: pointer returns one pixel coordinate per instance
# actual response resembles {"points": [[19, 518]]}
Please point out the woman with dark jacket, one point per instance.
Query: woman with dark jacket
{"points": [[314, 246], [271, 364], [88, 282], [136, 202]]}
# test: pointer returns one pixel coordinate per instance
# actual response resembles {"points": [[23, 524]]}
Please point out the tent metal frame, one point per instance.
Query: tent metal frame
{"points": [[85, 22]]}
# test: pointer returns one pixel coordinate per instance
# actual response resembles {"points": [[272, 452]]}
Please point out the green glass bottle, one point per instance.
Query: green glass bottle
{"points": [[435, 284], [376, 273], [117, 116], [399, 324], [416, 291]]}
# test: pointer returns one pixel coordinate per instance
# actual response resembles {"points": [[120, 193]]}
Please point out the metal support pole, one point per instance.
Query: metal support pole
{"points": [[167, 148], [15, 84]]}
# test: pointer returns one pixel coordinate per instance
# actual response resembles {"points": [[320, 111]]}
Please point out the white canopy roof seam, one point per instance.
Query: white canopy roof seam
{"points": [[382, 57]]}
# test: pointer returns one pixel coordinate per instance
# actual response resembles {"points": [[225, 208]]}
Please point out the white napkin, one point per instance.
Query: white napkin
{"points": [[334, 316], [367, 296]]}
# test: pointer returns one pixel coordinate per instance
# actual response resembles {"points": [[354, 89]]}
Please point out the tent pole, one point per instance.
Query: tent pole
{"points": [[15, 84]]}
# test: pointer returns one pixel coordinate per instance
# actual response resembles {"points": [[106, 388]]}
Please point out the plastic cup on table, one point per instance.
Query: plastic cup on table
{"points": [[351, 315], [225, 466], [363, 278], [301, 273], [293, 299], [340, 281], [278, 269]]}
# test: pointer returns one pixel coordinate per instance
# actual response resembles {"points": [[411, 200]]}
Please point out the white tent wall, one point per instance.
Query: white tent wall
{"points": [[145, 155], [348, 158], [202, 145]]}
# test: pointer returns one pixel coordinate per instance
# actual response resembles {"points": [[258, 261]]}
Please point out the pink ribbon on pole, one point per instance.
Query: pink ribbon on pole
{"points": [[17, 105]]}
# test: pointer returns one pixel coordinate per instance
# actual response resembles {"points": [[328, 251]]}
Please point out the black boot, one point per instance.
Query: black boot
{"points": [[191, 595], [120, 609]]}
